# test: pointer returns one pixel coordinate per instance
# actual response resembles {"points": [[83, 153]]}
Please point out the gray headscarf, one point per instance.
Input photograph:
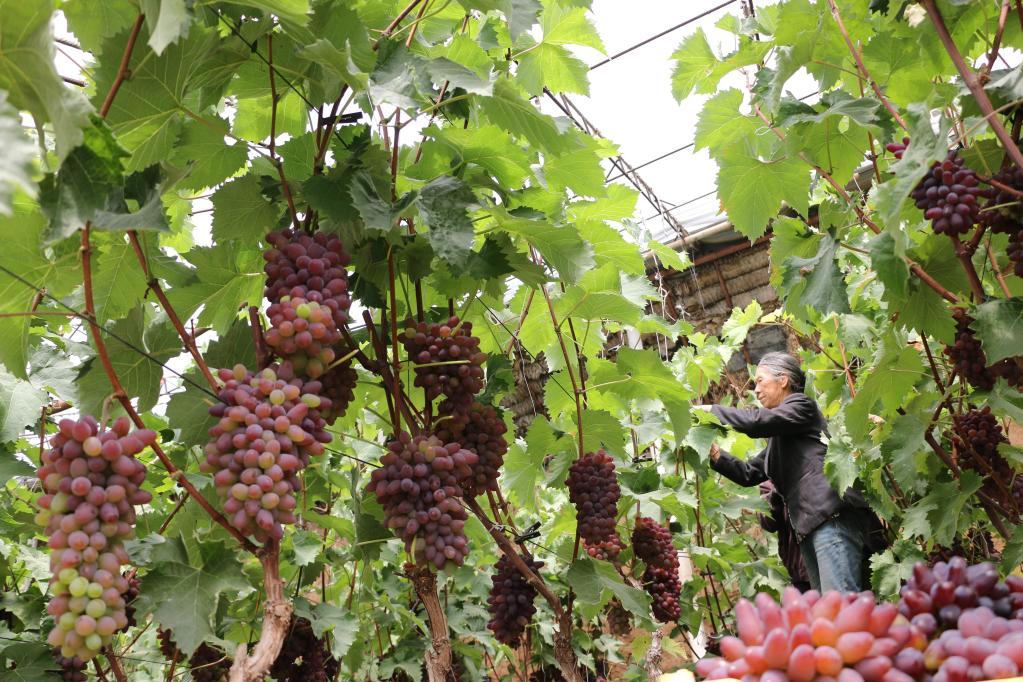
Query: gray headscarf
{"points": [[783, 364]]}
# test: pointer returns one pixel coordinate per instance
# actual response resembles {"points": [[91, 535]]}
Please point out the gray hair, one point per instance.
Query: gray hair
{"points": [[785, 365]]}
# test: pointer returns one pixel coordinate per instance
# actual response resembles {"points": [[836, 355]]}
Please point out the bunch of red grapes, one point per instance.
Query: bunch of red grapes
{"points": [[809, 636], [304, 656], [338, 384], [950, 195], [511, 600], [977, 435], [418, 485], [307, 286], [91, 480], [447, 360], [478, 428], [270, 425], [976, 614], [651, 543], [967, 354], [593, 489]]}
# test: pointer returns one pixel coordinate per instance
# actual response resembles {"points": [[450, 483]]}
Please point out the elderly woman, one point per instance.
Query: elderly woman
{"points": [[832, 529]]}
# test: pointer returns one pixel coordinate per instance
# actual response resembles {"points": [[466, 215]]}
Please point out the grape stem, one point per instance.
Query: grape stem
{"points": [[972, 82], [996, 44], [563, 637], [858, 58], [252, 667], [438, 656]]}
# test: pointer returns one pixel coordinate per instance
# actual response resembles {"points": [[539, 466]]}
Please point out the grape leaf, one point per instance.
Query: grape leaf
{"points": [[891, 269], [189, 413], [444, 205], [552, 67], [20, 404], [90, 174], [561, 247], [776, 180], [241, 212], [894, 375], [999, 324], [595, 582], [509, 111], [579, 170], [490, 147], [230, 277], [183, 598], [33, 662], [16, 162], [694, 60], [816, 282], [905, 448], [23, 255], [118, 281], [168, 21], [208, 158], [721, 124], [29, 76]]}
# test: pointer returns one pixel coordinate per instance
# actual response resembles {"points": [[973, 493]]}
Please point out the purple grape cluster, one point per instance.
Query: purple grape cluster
{"points": [[304, 656], [652, 544], [418, 485], [967, 354], [478, 428], [310, 267], [950, 196], [91, 480], [447, 360], [977, 435], [270, 425], [511, 600], [593, 489], [1003, 212], [339, 387]]}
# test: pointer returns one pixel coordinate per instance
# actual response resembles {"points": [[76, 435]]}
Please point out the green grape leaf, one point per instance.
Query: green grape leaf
{"points": [[92, 23], [892, 379], [230, 278], [579, 170], [694, 61], [23, 257], [816, 282], [668, 257], [20, 404], [721, 124], [509, 111], [306, 545], [189, 413], [33, 662], [444, 204], [127, 340], [183, 598], [905, 449], [16, 166], [552, 67], [29, 76], [522, 468], [490, 147], [147, 114], [777, 181], [999, 324], [596, 582], [90, 174], [118, 281], [167, 20], [208, 159], [609, 247], [890, 268], [241, 212], [561, 247], [325, 617], [234, 347]]}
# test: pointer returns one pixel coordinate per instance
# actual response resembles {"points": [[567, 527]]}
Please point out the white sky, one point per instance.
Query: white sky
{"points": [[631, 103]]}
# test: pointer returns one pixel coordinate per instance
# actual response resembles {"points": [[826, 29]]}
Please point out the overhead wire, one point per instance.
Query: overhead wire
{"points": [[117, 337], [661, 34]]}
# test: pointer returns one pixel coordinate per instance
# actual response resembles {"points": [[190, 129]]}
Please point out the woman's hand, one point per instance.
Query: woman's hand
{"points": [[715, 452], [705, 408]]}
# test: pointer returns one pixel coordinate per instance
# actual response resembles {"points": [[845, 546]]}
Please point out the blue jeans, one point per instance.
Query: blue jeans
{"points": [[833, 553]]}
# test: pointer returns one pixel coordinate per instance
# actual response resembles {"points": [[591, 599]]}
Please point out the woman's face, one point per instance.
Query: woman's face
{"points": [[769, 388]]}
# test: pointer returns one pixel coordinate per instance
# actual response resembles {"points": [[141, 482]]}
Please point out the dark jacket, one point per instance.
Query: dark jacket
{"points": [[793, 459], [788, 545]]}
